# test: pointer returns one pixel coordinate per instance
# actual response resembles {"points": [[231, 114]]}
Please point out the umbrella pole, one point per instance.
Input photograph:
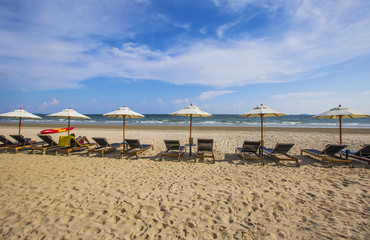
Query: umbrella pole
{"points": [[124, 137], [340, 130], [261, 150], [261, 130], [20, 124], [69, 123], [124, 126], [190, 140]]}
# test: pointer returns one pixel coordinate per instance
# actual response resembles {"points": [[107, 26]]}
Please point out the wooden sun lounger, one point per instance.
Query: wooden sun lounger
{"points": [[280, 153], [329, 154], [6, 143], [135, 148], [250, 151], [50, 144], [74, 145], [362, 154], [205, 146], [103, 146], [23, 143], [173, 149]]}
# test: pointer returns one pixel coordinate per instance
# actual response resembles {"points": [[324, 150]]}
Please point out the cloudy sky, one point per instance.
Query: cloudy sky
{"points": [[226, 56]]}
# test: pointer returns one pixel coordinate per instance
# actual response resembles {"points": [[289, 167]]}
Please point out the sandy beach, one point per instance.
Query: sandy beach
{"points": [[80, 197]]}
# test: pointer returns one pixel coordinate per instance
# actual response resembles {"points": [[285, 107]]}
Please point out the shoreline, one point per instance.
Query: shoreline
{"points": [[195, 128]]}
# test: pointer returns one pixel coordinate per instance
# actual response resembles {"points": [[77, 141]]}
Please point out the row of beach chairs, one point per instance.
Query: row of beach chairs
{"points": [[250, 150]]}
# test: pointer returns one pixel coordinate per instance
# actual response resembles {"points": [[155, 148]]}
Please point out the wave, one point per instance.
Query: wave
{"points": [[304, 121]]}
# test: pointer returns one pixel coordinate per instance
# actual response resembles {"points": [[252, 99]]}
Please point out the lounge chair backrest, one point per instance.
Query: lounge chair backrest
{"points": [[251, 146], [172, 144], [48, 140], [68, 141], [4, 140], [364, 151], [283, 147], [102, 142], [21, 140], [333, 149], [133, 143], [205, 144], [75, 143]]}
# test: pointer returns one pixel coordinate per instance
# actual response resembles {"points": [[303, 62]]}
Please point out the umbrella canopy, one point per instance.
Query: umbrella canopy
{"points": [[262, 111], [339, 113], [20, 113], [123, 112], [191, 111], [70, 114]]}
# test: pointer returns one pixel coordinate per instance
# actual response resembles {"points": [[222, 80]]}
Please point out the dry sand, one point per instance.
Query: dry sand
{"points": [[59, 197]]}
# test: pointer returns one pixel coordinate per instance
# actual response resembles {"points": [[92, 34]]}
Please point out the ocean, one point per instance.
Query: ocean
{"points": [[304, 121]]}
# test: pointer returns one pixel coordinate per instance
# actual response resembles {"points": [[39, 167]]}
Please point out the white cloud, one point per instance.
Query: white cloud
{"points": [[223, 28], [203, 96], [366, 92], [203, 30], [160, 102], [213, 94], [53, 102], [181, 101], [302, 95], [54, 49]]}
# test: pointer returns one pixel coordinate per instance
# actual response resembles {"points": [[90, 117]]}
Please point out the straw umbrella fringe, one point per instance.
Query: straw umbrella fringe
{"points": [[20, 113], [340, 113]]}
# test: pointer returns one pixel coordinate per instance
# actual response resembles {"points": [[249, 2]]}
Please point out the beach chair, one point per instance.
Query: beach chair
{"points": [[48, 144], [103, 146], [250, 151], [23, 143], [205, 146], [280, 153], [68, 144], [5, 141], [173, 149], [362, 154], [135, 148], [329, 154]]}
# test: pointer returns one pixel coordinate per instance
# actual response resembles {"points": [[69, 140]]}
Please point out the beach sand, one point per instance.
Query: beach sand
{"points": [[60, 197]]}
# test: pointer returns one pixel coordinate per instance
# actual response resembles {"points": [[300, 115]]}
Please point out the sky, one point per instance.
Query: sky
{"points": [[224, 56]]}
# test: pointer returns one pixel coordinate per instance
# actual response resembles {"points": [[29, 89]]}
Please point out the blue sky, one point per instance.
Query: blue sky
{"points": [[225, 56]]}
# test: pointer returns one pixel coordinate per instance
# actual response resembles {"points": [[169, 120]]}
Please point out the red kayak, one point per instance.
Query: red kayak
{"points": [[56, 130]]}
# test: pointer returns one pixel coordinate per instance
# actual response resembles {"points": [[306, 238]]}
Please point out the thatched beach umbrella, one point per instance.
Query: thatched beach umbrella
{"points": [[70, 114], [191, 111], [262, 111], [20, 113], [339, 113], [123, 112]]}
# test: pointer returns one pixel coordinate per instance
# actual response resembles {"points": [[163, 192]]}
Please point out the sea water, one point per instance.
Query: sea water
{"points": [[304, 121]]}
